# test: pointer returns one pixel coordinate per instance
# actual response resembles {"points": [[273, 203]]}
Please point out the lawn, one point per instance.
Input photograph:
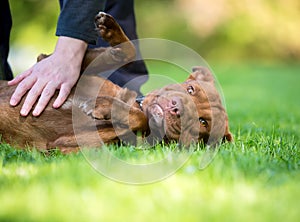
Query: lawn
{"points": [[256, 178]]}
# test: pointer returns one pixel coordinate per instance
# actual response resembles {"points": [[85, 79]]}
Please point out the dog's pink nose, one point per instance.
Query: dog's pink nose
{"points": [[176, 106]]}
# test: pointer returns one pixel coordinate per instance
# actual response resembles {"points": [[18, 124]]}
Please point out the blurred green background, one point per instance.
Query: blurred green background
{"points": [[219, 30], [253, 47]]}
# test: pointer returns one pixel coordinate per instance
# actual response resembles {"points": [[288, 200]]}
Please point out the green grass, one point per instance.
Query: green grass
{"points": [[256, 178]]}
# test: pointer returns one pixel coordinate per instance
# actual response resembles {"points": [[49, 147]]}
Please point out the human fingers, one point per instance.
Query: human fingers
{"points": [[44, 99], [20, 77], [32, 97], [63, 94], [21, 89]]}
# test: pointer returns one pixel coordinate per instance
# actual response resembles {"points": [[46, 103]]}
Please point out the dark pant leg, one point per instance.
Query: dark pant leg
{"points": [[5, 27], [136, 72]]}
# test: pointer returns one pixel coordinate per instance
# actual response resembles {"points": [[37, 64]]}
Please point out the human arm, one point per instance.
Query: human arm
{"points": [[61, 70]]}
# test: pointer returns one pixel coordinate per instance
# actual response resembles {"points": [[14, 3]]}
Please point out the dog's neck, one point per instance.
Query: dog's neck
{"points": [[140, 100]]}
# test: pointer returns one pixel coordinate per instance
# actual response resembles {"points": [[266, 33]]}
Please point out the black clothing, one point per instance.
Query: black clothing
{"points": [[76, 19], [5, 27]]}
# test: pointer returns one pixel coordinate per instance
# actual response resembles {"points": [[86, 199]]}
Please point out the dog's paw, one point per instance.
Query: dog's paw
{"points": [[109, 29], [99, 109]]}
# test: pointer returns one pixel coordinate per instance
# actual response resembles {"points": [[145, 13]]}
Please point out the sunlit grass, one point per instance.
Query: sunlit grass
{"points": [[255, 178]]}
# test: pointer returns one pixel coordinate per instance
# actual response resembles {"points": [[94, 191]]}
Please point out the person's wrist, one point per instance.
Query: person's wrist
{"points": [[71, 48]]}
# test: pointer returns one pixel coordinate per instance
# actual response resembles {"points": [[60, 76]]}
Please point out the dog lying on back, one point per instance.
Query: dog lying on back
{"points": [[185, 113]]}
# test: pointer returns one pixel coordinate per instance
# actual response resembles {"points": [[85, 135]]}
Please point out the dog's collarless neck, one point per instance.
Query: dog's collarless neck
{"points": [[140, 100]]}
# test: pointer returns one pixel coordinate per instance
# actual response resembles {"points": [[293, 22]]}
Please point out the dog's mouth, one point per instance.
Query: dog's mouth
{"points": [[164, 118], [155, 114]]}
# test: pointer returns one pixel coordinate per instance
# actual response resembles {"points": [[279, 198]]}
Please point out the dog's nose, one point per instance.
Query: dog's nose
{"points": [[176, 106]]}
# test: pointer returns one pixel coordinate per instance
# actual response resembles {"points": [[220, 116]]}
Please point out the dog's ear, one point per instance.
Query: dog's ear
{"points": [[202, 74], [227, 135]]}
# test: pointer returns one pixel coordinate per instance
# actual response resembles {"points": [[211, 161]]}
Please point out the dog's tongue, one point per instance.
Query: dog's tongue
{"points": [[156, 121]]}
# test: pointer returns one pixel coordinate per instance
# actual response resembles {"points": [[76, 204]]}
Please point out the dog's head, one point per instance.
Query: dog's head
{"points": [[188, 112]]}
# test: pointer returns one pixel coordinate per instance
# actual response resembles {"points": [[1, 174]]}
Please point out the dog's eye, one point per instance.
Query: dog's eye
{"points": [[203, 122], [190, 90]]}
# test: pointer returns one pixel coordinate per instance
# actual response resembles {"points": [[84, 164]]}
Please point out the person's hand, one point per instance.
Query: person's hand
{"points": [[59, 71]]}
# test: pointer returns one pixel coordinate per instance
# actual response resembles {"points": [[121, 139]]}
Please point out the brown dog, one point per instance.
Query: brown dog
{"points": [[187, 112]]}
